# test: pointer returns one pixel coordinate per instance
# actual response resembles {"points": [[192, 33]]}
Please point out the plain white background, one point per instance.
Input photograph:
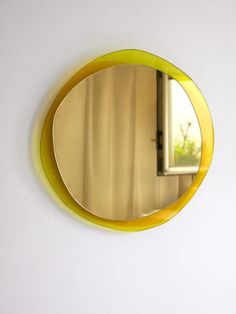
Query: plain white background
{"points": [[53, 263]]}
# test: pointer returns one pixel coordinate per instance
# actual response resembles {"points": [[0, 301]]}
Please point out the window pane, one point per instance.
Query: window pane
{"points": [[185, 133]]}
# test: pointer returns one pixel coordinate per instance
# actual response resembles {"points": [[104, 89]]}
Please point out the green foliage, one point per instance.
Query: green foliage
{"points": [[186, 153]]}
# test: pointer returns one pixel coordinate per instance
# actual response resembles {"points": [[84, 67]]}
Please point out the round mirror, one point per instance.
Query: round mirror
{"points": [[127, 141]]}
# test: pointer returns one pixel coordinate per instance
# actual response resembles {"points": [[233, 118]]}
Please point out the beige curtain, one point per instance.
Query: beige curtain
{"points": [[103, 133]]}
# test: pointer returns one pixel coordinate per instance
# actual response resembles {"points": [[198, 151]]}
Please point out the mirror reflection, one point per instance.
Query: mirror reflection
{"points": [[127, 142]]}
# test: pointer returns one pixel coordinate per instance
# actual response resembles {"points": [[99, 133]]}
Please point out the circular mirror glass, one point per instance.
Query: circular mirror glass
{"points": [[127, 142]]}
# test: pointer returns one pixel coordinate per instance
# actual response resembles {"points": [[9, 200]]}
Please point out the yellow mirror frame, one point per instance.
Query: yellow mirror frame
{"points": [[47, 161]]}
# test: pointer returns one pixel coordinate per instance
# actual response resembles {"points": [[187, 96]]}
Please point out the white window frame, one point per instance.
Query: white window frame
{"points": [[164, 163]]}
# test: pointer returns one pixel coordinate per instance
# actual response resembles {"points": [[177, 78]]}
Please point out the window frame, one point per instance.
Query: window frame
{"points": [[164, 136]]}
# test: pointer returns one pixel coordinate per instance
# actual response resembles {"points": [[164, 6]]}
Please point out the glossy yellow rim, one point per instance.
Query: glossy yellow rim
{"points": [[47, 158]]}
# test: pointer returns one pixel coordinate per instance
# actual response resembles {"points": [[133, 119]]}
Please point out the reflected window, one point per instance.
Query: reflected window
{"points": [[179, 136]]}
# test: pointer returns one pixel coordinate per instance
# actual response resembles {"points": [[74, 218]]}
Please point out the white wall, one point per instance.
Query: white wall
{"points": [[51, 262]]}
